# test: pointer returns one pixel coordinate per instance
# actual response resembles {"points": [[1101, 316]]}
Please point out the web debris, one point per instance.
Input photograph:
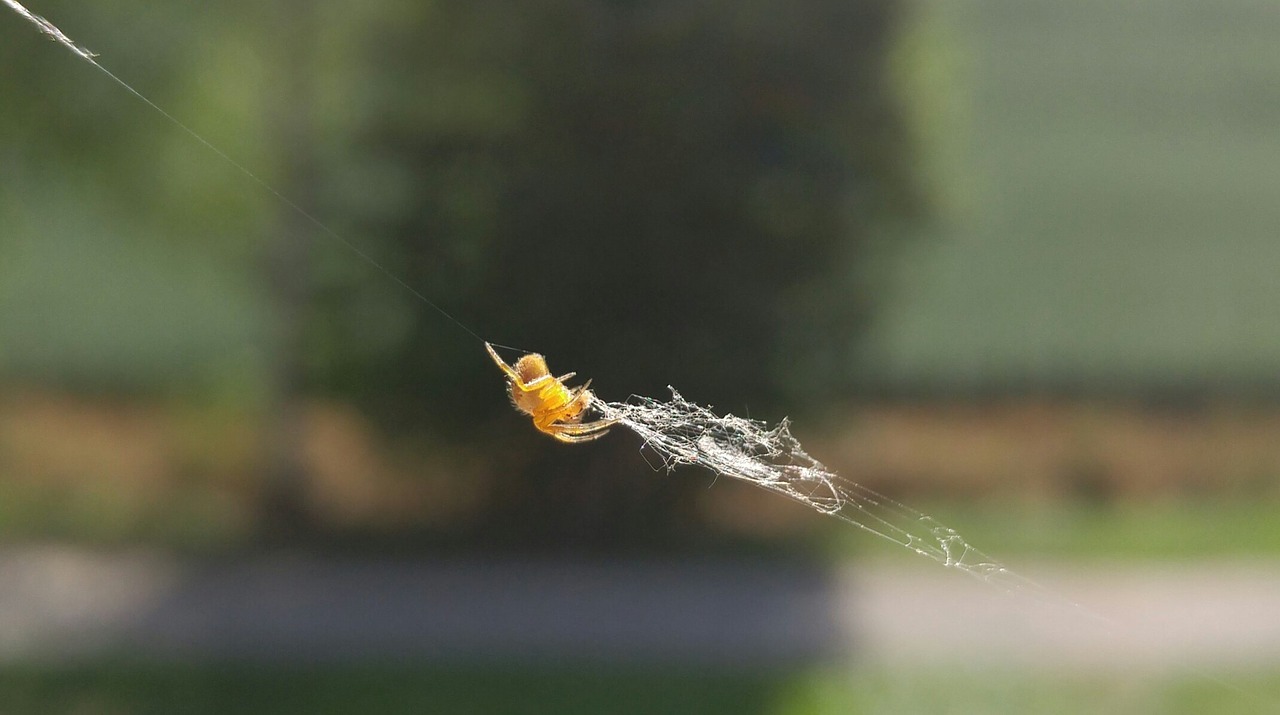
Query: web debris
{"points": [[51, 30], [770, 457]]}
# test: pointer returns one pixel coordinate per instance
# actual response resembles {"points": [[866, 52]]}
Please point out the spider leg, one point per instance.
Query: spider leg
{"points": [[572, 439], [568, 419], [576, 432], [600, 426], [568, 416], [510, 371], [579, 401], [533, 384], [554, 420], [515, 376], [579, 391]]}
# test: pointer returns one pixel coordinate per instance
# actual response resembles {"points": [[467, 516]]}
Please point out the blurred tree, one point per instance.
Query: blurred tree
{"points": [[287, 259], [651, 193]]}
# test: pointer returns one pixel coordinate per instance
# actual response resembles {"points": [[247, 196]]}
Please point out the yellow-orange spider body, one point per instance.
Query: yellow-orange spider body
{"points": [[556, 408]]}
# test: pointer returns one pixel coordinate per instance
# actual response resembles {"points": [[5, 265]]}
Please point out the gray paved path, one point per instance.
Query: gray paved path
{"points": [[59, 603]]}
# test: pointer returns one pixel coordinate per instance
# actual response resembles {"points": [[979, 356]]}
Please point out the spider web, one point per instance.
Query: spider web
{"points": [[770, 457], [49, 29], [685, 433]]}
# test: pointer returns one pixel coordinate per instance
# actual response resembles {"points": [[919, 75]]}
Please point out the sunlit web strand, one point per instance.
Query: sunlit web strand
{"points": [[52, 31]]}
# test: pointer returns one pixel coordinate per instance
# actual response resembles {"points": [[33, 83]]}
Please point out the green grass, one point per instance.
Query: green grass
{"points": [[1168, 530], [383, 690], [993, 691], [567, 691]]}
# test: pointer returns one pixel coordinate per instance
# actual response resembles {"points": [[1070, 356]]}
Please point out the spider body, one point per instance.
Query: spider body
{"points": [[556, 408]]}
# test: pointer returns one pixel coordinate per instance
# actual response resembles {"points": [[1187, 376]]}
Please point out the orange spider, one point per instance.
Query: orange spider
{"points": [[556, 409]]}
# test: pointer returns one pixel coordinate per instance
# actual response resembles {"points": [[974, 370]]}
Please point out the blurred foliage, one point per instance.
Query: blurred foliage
{"points": [[125, 244], [651, 193]]}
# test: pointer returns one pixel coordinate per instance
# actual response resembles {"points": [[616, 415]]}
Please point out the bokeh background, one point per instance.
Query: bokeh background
{"points": [[1011, 263]]}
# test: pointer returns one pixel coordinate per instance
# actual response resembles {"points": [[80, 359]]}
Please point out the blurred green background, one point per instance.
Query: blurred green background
{"points": [[1008, 261]]}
